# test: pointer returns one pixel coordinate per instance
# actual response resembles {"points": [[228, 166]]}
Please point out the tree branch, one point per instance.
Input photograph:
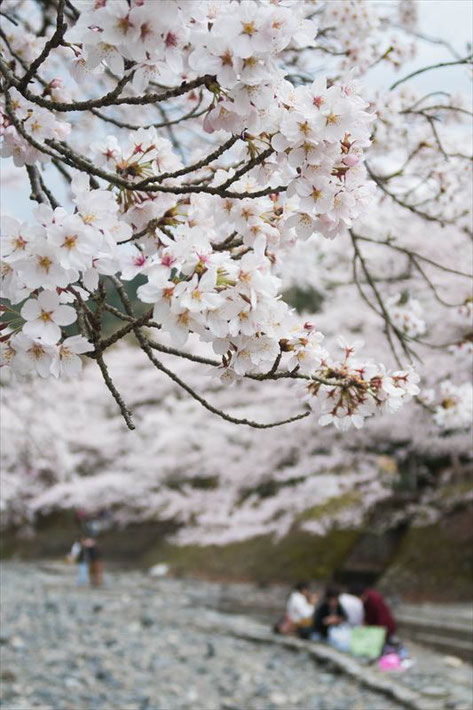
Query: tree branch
{"points": [[211, 408], [51, 44], [465, 60]]}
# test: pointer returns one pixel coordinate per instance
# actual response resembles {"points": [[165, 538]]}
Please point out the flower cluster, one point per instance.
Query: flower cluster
{"points": [[406, 314], [22, 45], [236, 42], [455, 409], [357, 32], [216, 158], [38, 123], [320, 144], [144, 155], [366, 388], [43, 262], [240, 49], [112, 33], [34, 354], [228, 297]]}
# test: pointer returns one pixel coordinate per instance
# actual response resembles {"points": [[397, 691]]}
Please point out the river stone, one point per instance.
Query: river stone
{"points": [[199, 659], [278, 698], [17, 643], [435, 691], [7, 676], [146, 621]]}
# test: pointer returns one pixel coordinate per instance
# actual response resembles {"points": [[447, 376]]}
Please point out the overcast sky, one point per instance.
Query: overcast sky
{"points": [[450, 20]]}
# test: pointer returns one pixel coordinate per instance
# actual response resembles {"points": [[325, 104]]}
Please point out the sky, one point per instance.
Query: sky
{"points": [[450, 20]]}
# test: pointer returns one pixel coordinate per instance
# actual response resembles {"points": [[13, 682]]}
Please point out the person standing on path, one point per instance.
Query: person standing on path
{"points": [[79, 554], [95, 562]]}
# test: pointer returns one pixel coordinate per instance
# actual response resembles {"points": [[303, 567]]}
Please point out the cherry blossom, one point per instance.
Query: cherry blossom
{"points": [[27, 354], [69, 363], [77, 243], [353, 467], [215, 149], [406, 314], [455, 409], [44, 316]]}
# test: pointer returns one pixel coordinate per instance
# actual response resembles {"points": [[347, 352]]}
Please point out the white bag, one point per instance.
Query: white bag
{"points": [[339, 637]]}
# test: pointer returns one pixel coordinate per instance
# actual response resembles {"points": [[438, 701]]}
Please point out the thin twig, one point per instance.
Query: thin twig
{"points": [[37, 193], [190, 168], [414, 254], [51, 44], [126, 413], [211, 408], [377, 295], [465, 60]]}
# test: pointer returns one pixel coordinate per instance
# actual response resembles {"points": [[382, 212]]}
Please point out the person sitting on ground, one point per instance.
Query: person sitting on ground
{"points": [[299, 611], [301, 605], [328, 614], [377, 612], [353, 608]]}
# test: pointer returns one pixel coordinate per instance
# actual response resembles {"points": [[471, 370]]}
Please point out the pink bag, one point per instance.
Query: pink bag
{"points": [[390, 662]]}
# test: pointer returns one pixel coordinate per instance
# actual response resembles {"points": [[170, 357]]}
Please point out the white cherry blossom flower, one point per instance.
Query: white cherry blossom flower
{"points": [[198, 293], [41, 267], [32, 354], [455, 410], [44, 316], [76, 243], [15, 237], [68, 363]]}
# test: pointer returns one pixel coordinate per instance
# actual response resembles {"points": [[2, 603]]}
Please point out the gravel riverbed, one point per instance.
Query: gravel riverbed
{"points": [[148, 644]]}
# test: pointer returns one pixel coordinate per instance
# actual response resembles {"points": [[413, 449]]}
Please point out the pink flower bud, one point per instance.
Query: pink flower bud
{"points": [[207, 124]]}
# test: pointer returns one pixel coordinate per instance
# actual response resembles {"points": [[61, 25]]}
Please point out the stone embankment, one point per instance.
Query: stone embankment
{"points": [[447, 628], [443, 627], [157, 644]]}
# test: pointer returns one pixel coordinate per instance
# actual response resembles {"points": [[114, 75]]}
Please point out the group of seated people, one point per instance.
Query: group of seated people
{"points": [[309, 617]]}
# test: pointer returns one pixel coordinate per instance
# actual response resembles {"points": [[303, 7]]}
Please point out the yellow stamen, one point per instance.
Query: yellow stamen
{"points": [[44, 262], [70, 241]]}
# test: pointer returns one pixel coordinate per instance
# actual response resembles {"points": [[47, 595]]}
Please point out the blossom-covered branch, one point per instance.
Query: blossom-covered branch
{"points": [[242, 160]]}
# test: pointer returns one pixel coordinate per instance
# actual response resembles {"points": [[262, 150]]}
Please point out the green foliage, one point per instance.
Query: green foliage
{"points": [[269, 488], [435, 561], [331, 507], [304, 300], [204, 483], [299, 555]]}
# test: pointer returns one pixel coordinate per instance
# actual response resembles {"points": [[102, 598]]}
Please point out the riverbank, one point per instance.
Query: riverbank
{"points": [[159, 644]]}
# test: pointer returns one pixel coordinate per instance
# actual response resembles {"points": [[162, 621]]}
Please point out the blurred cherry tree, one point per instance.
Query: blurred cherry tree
{"points": [[196, 173]]}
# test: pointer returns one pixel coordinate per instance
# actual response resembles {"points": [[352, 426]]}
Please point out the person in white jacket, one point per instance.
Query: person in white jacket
{"points": [[300, 605], [353, 608]]}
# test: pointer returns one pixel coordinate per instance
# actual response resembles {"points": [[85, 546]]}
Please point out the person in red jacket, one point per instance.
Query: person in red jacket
{"points": [[377, 612]]}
